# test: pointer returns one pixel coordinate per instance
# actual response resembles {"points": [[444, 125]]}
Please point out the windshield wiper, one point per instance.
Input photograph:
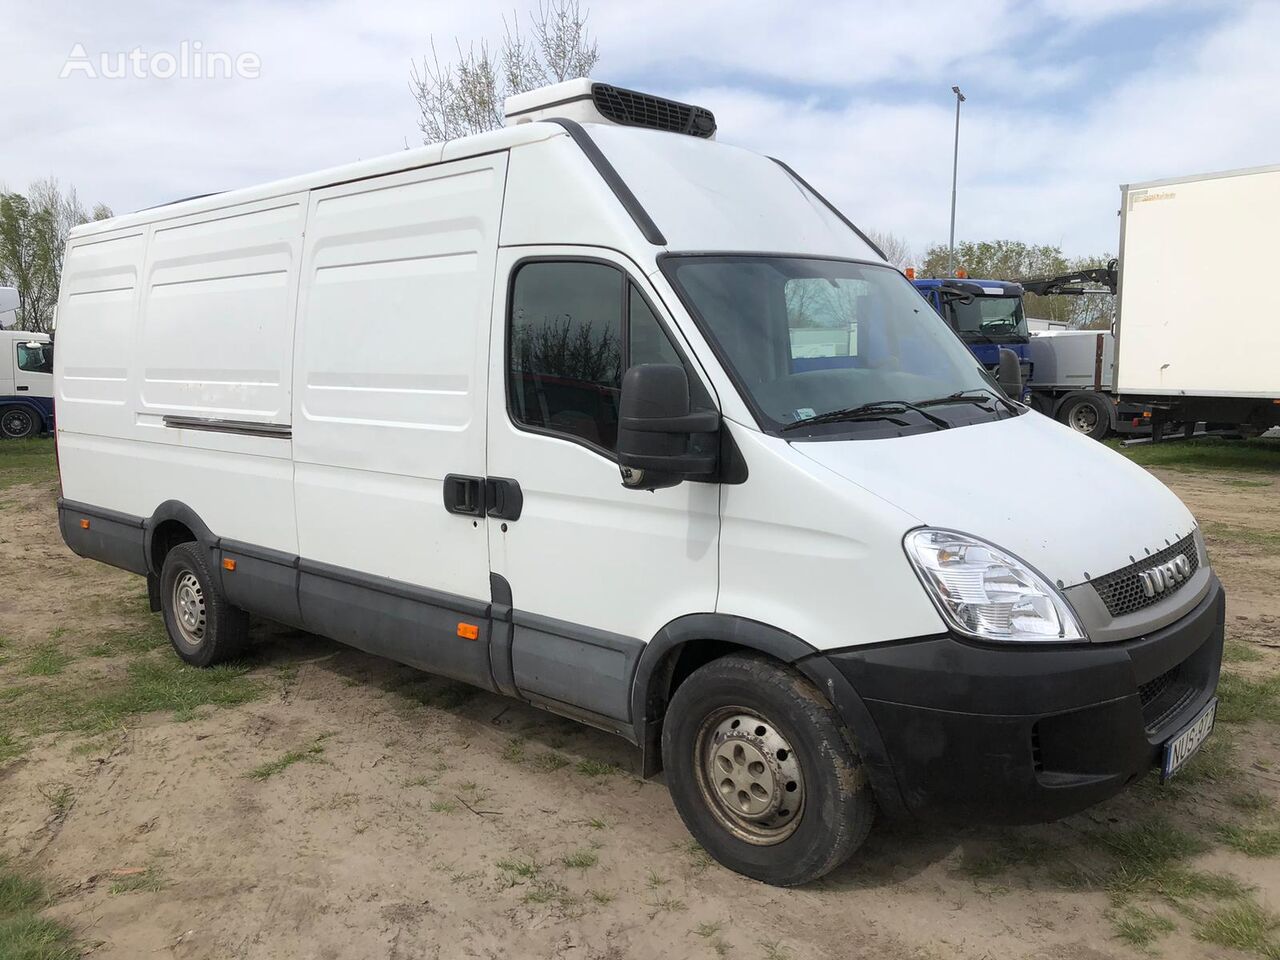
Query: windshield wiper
{"points": [[876, 410], [977, 396]]}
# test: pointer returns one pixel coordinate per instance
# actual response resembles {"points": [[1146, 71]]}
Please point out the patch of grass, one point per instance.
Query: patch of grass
{"points": [[699, 859], [1252, 841], [662, 903], [596, 768], [513, 750], [595, 823], [1011, 850], [59, 797], [149, 634], [581, 859], [167, 683], [1245, 926], [443, 806], [47, 660], [774, 950], [9, 748], [549, 761], [1241, 700], [655, 880], [149, 880], [27, 461], [1207, 453], [548, 891], [709, 929], [421, 781], [601, 897], [266, 771], [1138, 926], [1148, 860], [1251, 801], [1237, 651], [521, 868], [1241, 536]]}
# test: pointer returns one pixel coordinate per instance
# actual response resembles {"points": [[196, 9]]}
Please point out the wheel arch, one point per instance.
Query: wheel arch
{"points": [[688, 642], [171, 523]]}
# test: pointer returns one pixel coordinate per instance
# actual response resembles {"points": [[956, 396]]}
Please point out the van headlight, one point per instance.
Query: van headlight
{"points": [[987, 593]]}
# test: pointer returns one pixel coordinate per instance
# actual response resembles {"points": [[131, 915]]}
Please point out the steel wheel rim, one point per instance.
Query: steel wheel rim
{"points": [[749, 775], [188, 608], [1084, 418], [17, 423]]}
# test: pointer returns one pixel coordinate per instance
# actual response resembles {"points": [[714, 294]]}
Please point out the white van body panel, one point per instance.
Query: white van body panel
{"points": [[945, 479], [801, 545], [390, 371]]}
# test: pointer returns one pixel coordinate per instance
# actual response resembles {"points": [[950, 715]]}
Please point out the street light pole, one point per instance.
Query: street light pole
{"points": [[955, 163]]}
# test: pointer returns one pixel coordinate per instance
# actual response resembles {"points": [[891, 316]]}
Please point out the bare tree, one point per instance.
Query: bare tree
{"points": [[896, 250], [465, 96]]}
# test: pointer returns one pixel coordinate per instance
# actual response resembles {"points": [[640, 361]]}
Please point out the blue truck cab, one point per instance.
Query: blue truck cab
{"points": [[986, 314]]}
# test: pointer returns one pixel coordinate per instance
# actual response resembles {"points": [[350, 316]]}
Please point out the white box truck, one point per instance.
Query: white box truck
{"points": [[596, 412], [1192, 339]]}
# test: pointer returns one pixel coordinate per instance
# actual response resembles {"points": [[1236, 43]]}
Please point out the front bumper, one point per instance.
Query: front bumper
{"points": [[1023, 735]]}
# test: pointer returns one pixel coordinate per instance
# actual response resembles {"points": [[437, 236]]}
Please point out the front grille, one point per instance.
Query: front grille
{"points": [[634, 109], [1122, 590], [1163, 696]]}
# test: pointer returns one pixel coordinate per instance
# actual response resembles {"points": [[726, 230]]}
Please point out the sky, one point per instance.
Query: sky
{"points": [[1066, 99]]}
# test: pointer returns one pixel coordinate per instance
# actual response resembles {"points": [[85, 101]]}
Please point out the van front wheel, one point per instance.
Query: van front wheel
{"points": [[203, 627], [763, 772]]}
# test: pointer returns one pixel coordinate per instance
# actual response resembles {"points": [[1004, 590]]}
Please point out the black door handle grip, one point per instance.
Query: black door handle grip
{"points": [[464, 495], [504, 498]]}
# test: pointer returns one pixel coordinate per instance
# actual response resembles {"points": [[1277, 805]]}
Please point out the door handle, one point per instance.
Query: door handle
{"points": [[503, 498], [464, 495], [23, 386]]}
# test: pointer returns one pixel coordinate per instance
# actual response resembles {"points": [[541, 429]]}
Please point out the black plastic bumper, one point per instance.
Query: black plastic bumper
{"points": [[1023, 735]]}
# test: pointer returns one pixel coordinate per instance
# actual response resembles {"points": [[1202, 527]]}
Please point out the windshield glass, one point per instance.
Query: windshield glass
{"points": [[989, 316], [805, 337]]}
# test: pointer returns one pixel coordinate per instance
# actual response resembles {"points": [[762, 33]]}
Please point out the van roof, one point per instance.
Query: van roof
{"points": [[433, 153], [680, 192]]}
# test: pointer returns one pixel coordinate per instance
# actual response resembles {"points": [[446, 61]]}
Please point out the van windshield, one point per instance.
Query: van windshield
{"points": [[811, 343]]}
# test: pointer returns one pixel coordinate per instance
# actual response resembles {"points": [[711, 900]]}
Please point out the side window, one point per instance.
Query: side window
{"points": [[35, 357], [574, 328]]}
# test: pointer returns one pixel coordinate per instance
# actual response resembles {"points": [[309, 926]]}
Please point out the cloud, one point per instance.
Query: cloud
{"points": [[854, 96]]}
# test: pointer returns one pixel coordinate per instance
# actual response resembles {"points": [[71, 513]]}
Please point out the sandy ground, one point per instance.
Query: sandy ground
{"points": [[431, 820]]}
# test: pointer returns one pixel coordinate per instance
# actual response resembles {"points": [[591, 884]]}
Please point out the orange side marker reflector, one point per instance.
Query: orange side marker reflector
{"points": [[84, 524], [228, 563], [468, 631]]}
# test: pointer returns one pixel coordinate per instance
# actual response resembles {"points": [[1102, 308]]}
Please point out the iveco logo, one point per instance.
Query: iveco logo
{"points": [[1161, 578]]}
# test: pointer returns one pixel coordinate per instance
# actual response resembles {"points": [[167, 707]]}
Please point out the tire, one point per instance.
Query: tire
{"points": [[203, 627], [1086, 413], [18, 423], [715, 753]]}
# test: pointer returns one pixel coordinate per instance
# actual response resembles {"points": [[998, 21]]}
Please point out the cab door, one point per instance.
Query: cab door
{"points": [[590, 570]]}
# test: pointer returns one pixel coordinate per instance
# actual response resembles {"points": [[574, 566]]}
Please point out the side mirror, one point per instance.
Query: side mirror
{"points": [[658, 443], [1010, 374]]}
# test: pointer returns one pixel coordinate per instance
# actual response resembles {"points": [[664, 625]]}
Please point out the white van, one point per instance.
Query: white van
{"points": [[26, 384], [634, 426]]}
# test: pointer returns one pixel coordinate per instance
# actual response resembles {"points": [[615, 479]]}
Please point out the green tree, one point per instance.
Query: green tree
{"points": [[33, 241], [1015, 260]]}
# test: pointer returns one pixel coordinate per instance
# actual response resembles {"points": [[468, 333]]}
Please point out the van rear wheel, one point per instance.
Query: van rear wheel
{"points": [[203, 627], [763, 772]]}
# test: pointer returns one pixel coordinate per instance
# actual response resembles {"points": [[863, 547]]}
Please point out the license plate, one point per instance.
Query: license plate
{"points": [[1183, 746]]}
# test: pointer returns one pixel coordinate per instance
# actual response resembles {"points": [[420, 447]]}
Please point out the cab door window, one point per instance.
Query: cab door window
{"points": [[574, 328]]}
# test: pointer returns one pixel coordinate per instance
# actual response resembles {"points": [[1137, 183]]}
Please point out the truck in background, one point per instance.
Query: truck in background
{"points": [[1190, 343], [26, 384], [986, 314], [8, 307]]}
